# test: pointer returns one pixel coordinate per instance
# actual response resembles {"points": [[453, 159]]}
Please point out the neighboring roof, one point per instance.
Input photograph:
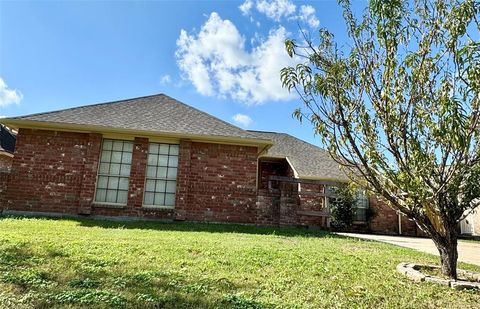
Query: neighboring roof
{"points": [[7, 140], [308, 161], [158, 114]]}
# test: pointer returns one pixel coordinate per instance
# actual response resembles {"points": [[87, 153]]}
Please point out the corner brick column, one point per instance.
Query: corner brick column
{"points": [[90, 167], [183, 177], [137, 172]]}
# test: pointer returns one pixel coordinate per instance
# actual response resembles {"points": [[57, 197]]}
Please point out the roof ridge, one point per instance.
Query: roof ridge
{"points": [[207, 114], [91, 105]]}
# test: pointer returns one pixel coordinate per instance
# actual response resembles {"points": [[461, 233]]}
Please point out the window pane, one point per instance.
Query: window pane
{"points": [[111, 196], [153, 148], [163, 149], [160, 186], [107, 145], [104, 167], [152, 159], [173, 161], [170, 200], [172, 173], [113, 183], [123, 185], [151, 171], [174, 150], [125, 169], [118, 145], [102, 182], [161, 172], [148, 198], [126, 157], [105, 156], [159, 199], [162, 160], [128, 147], [122, 197], [116, 157], [150, 185], [101, 195], [171, 186], [114, 169]]}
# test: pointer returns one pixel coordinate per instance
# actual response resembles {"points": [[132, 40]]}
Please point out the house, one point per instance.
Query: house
{"points": [[154, 157]]}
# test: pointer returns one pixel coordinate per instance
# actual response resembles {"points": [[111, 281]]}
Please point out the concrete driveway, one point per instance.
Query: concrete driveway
{"points": [[468, 251]]}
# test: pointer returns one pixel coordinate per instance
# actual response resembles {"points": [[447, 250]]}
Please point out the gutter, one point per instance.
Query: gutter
{"points": [[43, 125]]}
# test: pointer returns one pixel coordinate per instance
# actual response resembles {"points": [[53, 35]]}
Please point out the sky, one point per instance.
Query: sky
{"points": [[222, 57]]}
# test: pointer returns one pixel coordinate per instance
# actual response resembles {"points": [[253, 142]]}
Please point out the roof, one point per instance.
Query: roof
{"points": [[308, 161], [159, 114]]}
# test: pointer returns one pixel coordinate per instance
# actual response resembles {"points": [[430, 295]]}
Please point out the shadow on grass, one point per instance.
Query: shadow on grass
{"points": [[111, 287], [182, 226]]}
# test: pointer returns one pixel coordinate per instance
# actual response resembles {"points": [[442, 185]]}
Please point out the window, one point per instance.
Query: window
{"points": [[161, 178], [360, 211], [114, 172]]}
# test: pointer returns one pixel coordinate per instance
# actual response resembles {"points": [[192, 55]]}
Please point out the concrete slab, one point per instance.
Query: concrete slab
{"points": [[468, 251]]}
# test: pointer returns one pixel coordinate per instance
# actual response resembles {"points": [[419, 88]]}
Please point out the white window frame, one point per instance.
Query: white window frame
{"points": [[166, 179], [99, 174]]}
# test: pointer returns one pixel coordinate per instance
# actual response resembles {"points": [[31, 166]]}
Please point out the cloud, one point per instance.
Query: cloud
{"points": [[279, 10], [165, 79], [276, 9], [246, 7], [242, 119], [217, 62], [307, 14], [7, 95]]}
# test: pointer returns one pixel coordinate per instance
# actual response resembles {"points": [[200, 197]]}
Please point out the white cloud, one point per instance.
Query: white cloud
{"points": [[279, 10], [242, 119], [217, 63], [165, 79], [9, 96], [246, 7], [307, 14], [276, 9]]}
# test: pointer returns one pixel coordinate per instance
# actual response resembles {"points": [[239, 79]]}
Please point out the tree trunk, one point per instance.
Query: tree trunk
{"points": [[447, 247]]}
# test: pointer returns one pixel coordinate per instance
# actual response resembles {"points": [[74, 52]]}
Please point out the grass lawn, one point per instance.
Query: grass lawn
{"points": [[83, 263]]}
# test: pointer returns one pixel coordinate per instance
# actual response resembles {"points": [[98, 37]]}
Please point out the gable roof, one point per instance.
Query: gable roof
{"points": [[308, 161], [150, 115]]}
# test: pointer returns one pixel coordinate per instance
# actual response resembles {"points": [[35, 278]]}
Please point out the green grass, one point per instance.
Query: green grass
{"points": [[82, 263]]}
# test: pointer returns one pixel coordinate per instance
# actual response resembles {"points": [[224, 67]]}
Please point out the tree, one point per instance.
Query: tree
{"points": [[398, 107]]}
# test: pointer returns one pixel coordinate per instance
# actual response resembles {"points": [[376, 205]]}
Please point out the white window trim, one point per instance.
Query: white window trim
{"points": [[149, 206], [118, 205]]}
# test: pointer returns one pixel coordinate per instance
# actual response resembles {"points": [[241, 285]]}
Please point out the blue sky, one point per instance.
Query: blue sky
{"points": [[222, 57]]}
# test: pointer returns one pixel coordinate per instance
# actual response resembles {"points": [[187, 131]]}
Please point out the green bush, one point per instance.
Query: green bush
{"points": [[342, 207]]}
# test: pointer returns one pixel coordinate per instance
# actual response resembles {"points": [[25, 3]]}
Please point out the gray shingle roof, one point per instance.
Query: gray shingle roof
{"points": [[307, 160], [156, 113]]}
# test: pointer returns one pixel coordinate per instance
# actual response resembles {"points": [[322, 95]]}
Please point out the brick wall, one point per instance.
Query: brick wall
{"points": [[3, 188], [56, 172], [48, 170], [216, 182], [5, 161], [385, 220]]}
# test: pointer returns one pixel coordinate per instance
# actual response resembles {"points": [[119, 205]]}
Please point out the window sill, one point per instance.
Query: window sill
{"points": [[109, 205], [150, 207]]}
